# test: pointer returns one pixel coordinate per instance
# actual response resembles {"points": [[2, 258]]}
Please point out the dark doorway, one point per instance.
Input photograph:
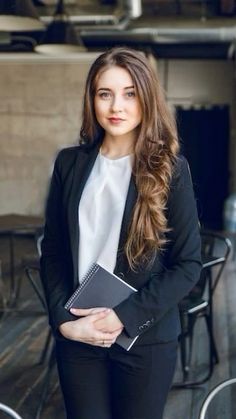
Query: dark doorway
{"points": [[204, 135]]}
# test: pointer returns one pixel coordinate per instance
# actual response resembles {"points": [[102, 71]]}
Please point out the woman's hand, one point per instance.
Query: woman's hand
{"points": [[84, 329], [109, 323]]}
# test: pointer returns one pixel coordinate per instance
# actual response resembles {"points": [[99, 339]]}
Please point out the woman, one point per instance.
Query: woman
{"points": [[123, 198]]}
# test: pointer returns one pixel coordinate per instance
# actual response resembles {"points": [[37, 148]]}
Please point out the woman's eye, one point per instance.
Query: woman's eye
{"points": [[130, 94], [104, 95]]}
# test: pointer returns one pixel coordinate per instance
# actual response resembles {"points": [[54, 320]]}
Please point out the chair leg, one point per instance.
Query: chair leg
{"points": [[186, 344], [213, 354], [192, 320], [186, 359], [212, 340], [183, 357], [183, 345]]}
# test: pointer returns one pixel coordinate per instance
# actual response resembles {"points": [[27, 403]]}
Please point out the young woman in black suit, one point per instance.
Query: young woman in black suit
{"points": [[123, 198]]}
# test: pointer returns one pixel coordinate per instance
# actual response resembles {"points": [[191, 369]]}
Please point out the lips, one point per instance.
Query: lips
{"points": [[115, 120]]}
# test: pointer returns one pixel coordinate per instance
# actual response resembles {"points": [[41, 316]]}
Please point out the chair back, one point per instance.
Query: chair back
{"points": [[12, 413], [213, 393], [39, 243], [215, 245]]}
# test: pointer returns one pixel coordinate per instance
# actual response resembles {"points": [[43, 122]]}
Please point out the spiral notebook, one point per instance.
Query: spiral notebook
{"points": [[100, 288]]}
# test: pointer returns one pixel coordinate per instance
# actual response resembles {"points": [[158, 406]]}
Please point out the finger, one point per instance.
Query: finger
{"points": [[106, 343], [100, 315], [105, 336], [80, 311], [114, 335], [99, 310], [88, 311], [102, 345]]}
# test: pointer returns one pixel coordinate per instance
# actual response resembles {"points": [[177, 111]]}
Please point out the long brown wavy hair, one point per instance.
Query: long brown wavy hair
{"points": [[155, 150]]}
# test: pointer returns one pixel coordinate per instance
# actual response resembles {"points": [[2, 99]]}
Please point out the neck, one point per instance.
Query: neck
{"points": [[115, 148]]}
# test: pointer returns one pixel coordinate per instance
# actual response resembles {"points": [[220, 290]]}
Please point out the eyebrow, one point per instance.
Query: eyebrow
{"points": [[107, 89]]}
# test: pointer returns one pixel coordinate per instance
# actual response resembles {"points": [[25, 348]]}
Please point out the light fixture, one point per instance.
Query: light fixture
{"points": [[19, 15], [60, 36]]}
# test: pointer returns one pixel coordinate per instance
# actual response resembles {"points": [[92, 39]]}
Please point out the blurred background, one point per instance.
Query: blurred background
{"points": [[42, 73], [46, 49]]}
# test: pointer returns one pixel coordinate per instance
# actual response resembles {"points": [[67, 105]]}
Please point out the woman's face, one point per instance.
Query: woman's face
{"points": [[117, 106]]}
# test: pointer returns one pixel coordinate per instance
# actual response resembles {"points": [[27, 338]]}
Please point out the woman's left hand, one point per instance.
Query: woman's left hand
{"points": [[110, 323]]}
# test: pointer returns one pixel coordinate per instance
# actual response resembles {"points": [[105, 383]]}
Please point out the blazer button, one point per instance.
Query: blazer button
{"points": [[120, 274]]}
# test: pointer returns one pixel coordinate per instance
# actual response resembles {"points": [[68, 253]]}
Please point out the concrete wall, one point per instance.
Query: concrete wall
{"points": [[40, 103]]}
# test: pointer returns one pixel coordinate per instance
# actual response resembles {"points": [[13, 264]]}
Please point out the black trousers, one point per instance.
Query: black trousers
{"points": [[111, 383]]}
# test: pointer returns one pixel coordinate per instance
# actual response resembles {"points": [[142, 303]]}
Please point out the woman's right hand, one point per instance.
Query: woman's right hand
{"points": [[84, 330]]}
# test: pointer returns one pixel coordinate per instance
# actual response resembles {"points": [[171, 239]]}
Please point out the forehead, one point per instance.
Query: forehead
{"points": [[114, 77]]}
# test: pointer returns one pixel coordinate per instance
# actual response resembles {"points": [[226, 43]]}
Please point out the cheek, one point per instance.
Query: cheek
{"points": [[100, 109], [139, 113], [136, 110]]}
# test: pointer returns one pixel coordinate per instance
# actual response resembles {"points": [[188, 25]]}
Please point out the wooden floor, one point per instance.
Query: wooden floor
{"points": [[22, 337]]}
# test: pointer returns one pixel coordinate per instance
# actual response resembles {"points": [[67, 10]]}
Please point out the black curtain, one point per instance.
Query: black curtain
{"points": [[204, 136]]}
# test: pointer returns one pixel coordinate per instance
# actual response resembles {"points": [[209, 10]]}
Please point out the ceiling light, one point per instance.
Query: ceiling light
{"points": [[60, 36], [19, 15]]}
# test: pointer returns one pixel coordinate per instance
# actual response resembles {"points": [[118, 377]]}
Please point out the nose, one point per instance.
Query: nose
{"points": [[116, 104]]}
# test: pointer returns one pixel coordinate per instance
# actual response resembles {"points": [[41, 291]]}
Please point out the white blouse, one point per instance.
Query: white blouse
{"points": [[100, 212]]}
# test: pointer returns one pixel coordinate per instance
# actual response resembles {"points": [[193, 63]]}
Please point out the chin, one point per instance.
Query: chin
{"points": [[117, 132]]}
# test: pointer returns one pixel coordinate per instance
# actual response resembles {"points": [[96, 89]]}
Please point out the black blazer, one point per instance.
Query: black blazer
{"points": [[152, 312]]}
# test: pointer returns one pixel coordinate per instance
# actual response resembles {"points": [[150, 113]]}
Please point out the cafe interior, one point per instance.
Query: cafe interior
{"points": [[46, 49]]}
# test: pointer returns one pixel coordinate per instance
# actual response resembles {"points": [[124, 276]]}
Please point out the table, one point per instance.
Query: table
{"points": [[10, 226]]}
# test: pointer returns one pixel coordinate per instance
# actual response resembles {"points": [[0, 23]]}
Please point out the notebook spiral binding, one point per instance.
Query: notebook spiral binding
{"points": [[94, 268]]}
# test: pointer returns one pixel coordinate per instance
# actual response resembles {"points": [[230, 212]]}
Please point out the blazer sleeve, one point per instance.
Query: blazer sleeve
{"points": [[167, 286], [54, 259]]}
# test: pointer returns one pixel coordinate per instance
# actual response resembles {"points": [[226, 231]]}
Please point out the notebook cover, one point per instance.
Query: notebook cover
{"points": [[101, 288]]}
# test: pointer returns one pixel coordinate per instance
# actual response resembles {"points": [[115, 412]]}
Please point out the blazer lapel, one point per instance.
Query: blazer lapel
{"points": [[129, 206], [83, 166]]}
